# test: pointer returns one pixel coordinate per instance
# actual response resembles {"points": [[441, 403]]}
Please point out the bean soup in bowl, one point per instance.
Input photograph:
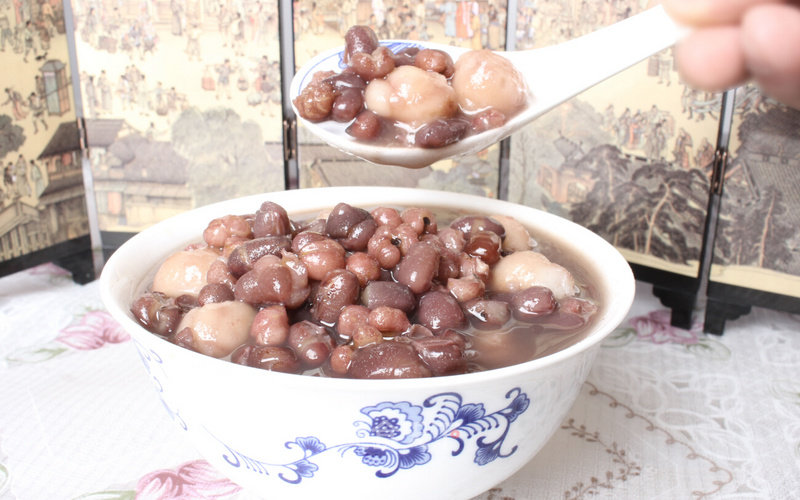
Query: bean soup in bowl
{"points": [[389, 342]]}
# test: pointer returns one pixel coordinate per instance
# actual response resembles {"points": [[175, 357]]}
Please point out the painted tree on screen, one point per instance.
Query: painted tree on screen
{"points": [[674, 212], [611, 172], [11, 136], [756, 234], [657, 210], [759, 215], [227, 156]]}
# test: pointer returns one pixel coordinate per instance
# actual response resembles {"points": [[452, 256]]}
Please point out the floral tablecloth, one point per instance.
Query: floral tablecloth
{"points": [[665, 414]]}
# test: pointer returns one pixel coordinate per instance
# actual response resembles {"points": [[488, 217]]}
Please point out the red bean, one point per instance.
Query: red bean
{"points": [[157, 313], [270, 326], [421, 220], [340, 288], [341, 358], [214, 292], [435, 60], [486, 314], [359, 235], [321, 257], [347, 105], [388, 320], [316, 226], [359, 39], [486, 245], [351, 317], [453, 239], [222, 228], [367, 126], [388, 244], [370, 66], [183, 338], [388, 293], [272, 284], [218, 272], [407, 236], [439, 311], [311, 343], [305, 237], [464, 289], [449, 265], [572, 313], [455, 336], [352, 227], [473, 266], [387, 360], [366, 335], [387, 216], [271, 219], [441, 132], [364, 266], [300, 285], [244, 257], [418, 267], [580, 307], [469, 224], [384, 247], [444, 355], [277, 359], [532, 303], [342, 218]]}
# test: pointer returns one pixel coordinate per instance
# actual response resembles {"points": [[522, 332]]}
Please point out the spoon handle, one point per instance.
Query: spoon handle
{"points": [[583, 62]]}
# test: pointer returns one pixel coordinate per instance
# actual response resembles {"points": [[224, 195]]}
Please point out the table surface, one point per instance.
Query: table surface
{"points": [[665, 413]]}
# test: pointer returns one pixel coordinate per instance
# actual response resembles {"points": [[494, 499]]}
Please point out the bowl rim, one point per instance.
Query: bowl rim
{"points": [[623, 281]]}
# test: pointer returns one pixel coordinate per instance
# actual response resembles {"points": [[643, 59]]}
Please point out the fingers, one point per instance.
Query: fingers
{"points": [[770, 41], [712, 12], [712, 59], [765, 47]]}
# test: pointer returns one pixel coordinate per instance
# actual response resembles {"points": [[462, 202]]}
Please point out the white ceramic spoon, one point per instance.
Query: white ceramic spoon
{"points": [[553, 74]]}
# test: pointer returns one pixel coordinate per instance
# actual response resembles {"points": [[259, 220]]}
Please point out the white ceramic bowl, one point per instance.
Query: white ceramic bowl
{"points": [[295, 436]]}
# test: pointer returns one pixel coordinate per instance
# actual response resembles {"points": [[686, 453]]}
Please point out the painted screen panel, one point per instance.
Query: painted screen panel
{"points": [[182, 101], [757, 243], [42, 195]]}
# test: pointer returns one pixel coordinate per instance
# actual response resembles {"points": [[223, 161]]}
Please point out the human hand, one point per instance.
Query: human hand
{"points": [[739, 40]]}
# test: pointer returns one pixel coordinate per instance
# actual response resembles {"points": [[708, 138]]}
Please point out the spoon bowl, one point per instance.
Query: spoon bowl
{"points": [[553, 75]]}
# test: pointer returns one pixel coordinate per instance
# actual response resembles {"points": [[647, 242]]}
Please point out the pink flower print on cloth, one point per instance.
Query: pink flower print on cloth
{"points": [[94, 330], [197, 479], [49, 269], [655, 327]]}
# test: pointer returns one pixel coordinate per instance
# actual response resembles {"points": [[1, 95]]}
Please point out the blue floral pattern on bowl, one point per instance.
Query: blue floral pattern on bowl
{"points": [[401, 435]]}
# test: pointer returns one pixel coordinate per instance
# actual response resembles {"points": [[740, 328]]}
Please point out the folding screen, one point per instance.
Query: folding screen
{"points": [[43, 215], [181, 104], [159, 106]]}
